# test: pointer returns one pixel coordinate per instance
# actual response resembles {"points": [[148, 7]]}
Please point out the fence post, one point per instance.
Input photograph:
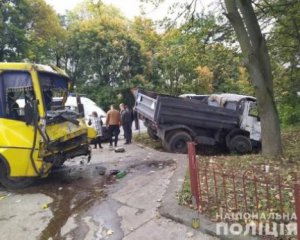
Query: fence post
{"points": [[193, 166], [297, 205]]}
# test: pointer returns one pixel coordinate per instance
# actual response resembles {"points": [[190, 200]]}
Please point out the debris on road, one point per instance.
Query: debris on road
{"points": [[45, 206], [121, 174], [119, 150], [109, 232], [114, 172], [190, 235]]}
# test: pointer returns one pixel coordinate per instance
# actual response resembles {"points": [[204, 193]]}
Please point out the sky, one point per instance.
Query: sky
{"points": [[130, 8]]}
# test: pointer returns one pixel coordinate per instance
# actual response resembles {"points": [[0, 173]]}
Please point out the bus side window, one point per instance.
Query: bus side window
{"points": [[12, 106]]}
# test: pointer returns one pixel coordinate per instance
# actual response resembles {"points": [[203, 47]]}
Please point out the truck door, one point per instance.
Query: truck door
{"points": [[250, 120]]}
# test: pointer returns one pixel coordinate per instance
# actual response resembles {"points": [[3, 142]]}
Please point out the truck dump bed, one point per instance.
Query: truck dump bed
{"points": [[174, 110]]}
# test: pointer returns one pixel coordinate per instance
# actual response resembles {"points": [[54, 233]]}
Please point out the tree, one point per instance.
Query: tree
{"points": [[102, 55], [44, 34], [284, 47], [30, 30], [14, 22], [144, 33], [253, 45], [190, 61]]}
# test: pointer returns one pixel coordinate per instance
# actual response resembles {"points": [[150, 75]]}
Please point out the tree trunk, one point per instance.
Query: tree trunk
{"points": [[257, 61]]}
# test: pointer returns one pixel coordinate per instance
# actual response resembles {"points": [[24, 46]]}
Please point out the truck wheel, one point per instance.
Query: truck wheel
{"points": [[11, 182], [152, 133], [177, 142], [240, 144]]}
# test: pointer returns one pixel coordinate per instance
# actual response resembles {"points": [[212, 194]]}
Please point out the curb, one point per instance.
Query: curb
{"points": [[170, 208]]}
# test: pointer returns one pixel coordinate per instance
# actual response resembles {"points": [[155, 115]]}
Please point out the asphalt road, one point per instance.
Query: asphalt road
{"points": [[79, 202]]}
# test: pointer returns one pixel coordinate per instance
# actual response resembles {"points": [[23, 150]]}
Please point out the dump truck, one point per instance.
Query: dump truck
{"points": [[37, 135], [225, 120]]}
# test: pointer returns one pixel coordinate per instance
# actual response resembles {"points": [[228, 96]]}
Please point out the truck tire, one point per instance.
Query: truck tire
{"points": [[177, 142], [152, 133], [240, 144], [13, 183]]}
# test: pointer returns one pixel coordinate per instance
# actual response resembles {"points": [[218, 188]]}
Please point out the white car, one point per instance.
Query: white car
{"points": [[89, 107]]}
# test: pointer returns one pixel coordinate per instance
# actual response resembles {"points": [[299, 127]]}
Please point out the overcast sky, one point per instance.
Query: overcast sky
{"points": [[130, 8]]}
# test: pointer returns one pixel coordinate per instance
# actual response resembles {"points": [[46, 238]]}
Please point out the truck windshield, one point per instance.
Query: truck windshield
{"points": [[53, 86], [253, 110]]}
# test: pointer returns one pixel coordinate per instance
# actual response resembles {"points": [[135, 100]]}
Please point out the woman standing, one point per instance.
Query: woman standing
{"points": [[96, 123]]}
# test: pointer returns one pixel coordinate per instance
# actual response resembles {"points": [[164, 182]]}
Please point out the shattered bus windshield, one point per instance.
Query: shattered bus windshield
{"points": [[53, 86]]}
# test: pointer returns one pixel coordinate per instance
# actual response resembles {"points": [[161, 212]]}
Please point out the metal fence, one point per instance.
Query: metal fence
{"points": [[219, 192]]}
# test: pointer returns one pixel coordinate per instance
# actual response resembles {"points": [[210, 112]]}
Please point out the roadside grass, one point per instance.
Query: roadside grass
{"points": [[185, 196], [144, 139], [284, 166]]}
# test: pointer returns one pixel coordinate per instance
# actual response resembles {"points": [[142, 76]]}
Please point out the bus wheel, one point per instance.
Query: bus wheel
{"points": [[13, 182]]}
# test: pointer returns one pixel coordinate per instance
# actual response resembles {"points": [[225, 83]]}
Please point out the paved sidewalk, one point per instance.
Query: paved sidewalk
{"points": [[141, 193]]}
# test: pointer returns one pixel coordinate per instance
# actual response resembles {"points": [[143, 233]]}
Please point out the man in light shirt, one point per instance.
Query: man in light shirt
{"points": [[113, 121]]}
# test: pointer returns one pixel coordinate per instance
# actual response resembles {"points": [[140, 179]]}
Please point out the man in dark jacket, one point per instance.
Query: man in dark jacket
{"points": [[126, 119]]}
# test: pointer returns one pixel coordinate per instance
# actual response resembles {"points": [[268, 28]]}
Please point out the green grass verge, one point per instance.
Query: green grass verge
{"points": [[284, 165], [144, 139]]}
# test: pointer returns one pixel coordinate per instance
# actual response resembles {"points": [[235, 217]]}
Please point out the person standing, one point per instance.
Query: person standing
{"points": [[96, 123], [113, 121], [122, 110], [136, 119], [126, 117], [12, 106]]}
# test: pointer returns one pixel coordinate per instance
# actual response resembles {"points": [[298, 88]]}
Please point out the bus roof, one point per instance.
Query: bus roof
{"points": [[30, 66]]}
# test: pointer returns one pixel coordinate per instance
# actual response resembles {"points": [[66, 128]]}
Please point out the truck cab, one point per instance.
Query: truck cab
{"points": [[247, 108], [36, 135]]}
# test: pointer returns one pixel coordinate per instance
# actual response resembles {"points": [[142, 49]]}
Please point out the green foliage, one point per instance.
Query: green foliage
{"points": [[45, 33], [284, 48], [289, 110], [104, 58], [106, 54], [190, 61], [14, 20], [30, 30]]}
